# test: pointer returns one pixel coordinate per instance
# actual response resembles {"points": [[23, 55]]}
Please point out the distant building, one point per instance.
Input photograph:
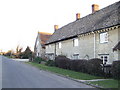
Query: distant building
{"points": [[93, 36], [39, 47]]}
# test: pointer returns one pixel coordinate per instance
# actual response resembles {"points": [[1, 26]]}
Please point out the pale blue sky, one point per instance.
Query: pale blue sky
{"points": [[20, 20]]}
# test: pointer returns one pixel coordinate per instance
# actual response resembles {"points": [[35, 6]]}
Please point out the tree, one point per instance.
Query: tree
{"points": [[9, 53], [18, 51], [27, 53]]}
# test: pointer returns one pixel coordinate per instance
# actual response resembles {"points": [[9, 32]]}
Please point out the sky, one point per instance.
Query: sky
{"points": [[20, 20]]}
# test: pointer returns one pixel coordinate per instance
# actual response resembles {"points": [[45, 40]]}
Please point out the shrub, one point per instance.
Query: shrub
{"points": [[62, 62], [38, 60], [50, 63], [94, 67], [116, 69], [78, 65]]}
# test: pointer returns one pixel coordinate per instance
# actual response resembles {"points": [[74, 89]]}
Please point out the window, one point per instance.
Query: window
{"points": [[75, 56], [59, 45], [46, 47], [38, 54], [104, 58], [49, 46], [75, 42], [104, 37], [50, 56]]}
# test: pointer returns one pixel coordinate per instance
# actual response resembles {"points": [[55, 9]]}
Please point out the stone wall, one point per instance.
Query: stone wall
{"points": [[85, 49]]}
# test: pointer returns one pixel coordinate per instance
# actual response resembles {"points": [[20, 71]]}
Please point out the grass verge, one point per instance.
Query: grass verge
{"points": [[69, 73], [107, 83]]}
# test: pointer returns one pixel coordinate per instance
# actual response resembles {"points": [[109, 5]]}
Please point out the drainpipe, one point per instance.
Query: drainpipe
{"points": [[94, 43], [55, 50]]}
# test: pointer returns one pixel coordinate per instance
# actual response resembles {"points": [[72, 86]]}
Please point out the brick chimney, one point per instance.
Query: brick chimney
{"points": [[77, 16], [55, 27], [95, 8]]}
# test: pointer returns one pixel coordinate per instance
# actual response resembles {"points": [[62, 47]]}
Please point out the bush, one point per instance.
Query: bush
{"points": [[38, 60], [116, 69], [94, 67], [78, 65], [50, 63], [62, 62]]}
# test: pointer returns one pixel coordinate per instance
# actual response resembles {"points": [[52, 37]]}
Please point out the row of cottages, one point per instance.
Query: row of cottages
{"points": [[96, 35], [39, 48]]}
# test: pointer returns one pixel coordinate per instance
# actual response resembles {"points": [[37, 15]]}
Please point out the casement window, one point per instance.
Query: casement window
{"points": [[75, 42], [75, 56], [104, 37], [59, 45], [105, 58]]}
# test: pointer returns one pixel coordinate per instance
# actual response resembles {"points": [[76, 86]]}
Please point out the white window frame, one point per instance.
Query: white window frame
{"points": [[104, 37], [103, 58], [59, 45], [46, 47], [75, 42], [75, 56], [49, 46]]}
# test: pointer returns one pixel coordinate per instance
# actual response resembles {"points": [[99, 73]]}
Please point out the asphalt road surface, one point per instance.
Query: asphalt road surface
{"points": [[20, 75]]}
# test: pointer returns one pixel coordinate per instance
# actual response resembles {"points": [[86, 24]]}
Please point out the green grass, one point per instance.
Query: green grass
{"points": [[72, 74], [107, 83]]}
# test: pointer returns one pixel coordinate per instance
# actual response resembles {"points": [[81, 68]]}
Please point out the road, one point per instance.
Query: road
{"points": [[20, 75]]}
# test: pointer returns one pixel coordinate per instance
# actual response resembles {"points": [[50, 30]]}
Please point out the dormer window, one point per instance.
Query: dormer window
{"points": [[75, 42], [104, 37], [59, 45]]}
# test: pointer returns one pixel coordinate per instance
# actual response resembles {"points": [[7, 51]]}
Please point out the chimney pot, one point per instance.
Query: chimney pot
{"points": [[77, 16], [95, 8], [55, 27]]}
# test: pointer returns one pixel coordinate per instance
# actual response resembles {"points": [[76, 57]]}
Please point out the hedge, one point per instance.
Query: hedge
{"points": [[94, 67], [116, 69], [62, 62], [50, 63], [78, 65], [38, 60]]}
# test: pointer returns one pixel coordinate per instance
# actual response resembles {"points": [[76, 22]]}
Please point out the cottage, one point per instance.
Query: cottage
{"points": [[39, 47], [93, 36]]}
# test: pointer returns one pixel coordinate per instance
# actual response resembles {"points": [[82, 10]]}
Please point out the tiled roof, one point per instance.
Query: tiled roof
{"points": [[106, 17], [44, 37], [117, 47]]}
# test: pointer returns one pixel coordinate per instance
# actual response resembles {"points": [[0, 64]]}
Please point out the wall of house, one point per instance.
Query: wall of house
{"points": [[67, 48], [50, 48], [117, 55], [107, 48], [86, 46], [50, 51], [38, 48], [85, 49]]}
